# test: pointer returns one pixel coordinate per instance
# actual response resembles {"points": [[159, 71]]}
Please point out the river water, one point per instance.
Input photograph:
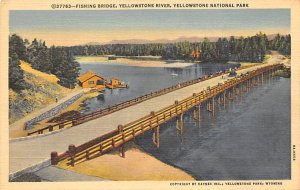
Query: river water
{"points": [[248, 140], [141, 80]]}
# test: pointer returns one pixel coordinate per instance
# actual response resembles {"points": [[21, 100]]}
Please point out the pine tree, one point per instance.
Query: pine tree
{"points": [[16, 75], [16, 45], [17, 50]]}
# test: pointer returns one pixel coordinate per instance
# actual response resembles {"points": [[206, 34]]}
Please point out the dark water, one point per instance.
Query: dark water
{"points": [[142, 80], [248, 140]]}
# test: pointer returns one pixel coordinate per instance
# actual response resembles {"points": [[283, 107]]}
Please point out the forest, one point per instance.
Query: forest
{"points": [[54, 60], [242, 49], [61, 62]]}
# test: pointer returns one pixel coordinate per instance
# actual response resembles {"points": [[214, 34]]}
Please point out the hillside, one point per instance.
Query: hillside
{"points": [[41, 90]]}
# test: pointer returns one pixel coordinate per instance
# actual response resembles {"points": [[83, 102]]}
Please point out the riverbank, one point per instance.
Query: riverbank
{"points": [[137, 165], [145, 61]]}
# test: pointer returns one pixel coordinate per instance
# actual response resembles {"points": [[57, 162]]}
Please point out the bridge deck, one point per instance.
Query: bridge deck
{"points": [[26, 153]]}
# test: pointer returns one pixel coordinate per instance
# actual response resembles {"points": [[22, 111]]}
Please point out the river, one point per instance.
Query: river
{"points": [[141, 80]]}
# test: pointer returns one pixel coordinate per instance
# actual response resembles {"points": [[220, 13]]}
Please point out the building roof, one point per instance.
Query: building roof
{"points": [[86, 76]]}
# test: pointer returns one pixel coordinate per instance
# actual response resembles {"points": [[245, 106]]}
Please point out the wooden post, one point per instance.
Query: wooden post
{"points": [[213, 106], [233, 93], [120, 128], [224, 99], [152, 115], [249, 84], [241, 89], [54, 158], [181, 124], [71, 151], [199, 114], [207, 105], [122, 151], [155, 137]]}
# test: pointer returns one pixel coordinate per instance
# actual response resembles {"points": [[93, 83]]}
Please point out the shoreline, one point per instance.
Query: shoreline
{"points": [[141, 62]]}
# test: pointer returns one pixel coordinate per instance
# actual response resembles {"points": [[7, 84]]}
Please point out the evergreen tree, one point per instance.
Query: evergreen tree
{"points": [[16, 45], [17, 50], [16, 75]]}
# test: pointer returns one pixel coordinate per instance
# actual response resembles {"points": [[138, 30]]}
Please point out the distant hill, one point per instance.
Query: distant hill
{"points": [[179, 39]]}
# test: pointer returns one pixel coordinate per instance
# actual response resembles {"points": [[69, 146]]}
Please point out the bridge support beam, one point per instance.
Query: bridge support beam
{"points": [[233, 93], [199, 114], [208, 105], [213, 106], [179, 124], [224, 99], [241, 89], [155, 136], [122, 151]]}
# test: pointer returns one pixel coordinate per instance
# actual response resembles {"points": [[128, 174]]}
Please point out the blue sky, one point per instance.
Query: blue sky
{"points": [[104, 26]]}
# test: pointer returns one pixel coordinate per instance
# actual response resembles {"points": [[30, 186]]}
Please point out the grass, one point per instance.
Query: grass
{"points": [[41, 90]]}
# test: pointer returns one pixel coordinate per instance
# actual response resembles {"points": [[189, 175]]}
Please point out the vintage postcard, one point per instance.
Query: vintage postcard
{"points": [[150, 94]]}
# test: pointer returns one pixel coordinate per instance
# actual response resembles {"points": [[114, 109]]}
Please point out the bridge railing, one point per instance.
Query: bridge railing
{"points": [[121, 105], [118, 137]]}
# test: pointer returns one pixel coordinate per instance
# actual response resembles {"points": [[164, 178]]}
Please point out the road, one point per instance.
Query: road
{"points": [[30, 152]]}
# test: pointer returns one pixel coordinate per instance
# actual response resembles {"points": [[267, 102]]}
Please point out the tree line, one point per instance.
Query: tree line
{"points": [[243, 49], [60, 61], [54, 60]]}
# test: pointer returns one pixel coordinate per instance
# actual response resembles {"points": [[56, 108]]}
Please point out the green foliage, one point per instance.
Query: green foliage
{"points": [[64, 66], [249, 49], [17, 50], [16, 75], [281, 44], [55, 60], [17, 45]]}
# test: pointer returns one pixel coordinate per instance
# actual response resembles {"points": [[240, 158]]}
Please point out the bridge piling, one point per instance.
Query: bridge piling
{"points": [[213, 106], [224, 99], [199, 114], [122, 151], [155, 136], [180, 123]]}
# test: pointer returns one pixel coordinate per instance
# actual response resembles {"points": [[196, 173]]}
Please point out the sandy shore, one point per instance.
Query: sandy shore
{"points": [[137, 165], [147, 62]]}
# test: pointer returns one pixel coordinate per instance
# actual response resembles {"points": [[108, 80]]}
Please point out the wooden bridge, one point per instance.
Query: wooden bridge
{"points": [[33, 152], [116, 139]]}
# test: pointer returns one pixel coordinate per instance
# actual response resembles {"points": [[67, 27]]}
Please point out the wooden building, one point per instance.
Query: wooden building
{"points": [[92, 80], [116, 83]]}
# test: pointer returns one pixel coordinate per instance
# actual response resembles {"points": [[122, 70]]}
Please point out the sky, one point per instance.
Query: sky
{"points": [[79, 27]]}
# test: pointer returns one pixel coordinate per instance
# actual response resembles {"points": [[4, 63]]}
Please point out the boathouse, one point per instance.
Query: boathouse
{"points": [[91, 80]]}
